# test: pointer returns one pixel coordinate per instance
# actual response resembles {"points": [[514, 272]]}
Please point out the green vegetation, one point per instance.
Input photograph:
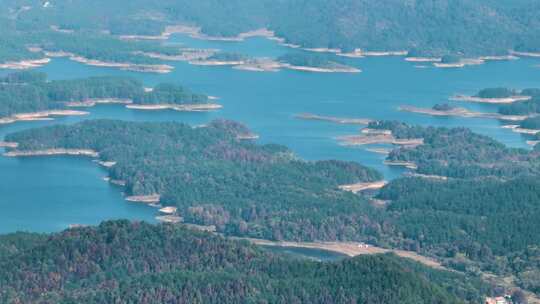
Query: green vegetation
{"points": [[225, 56], [443, 107], [480, 214], [527, 107], [171, 94], [314, 60], [459, 153], [122, 262], [27, 92], [465, 28], [450, 59], [496, 93]]}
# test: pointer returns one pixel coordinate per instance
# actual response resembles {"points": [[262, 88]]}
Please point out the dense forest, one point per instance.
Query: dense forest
{"points": [[424, 28], [122, 262], [27, 92], [312, 60], [526, 107], [460, 153], [478, 215], [476, 206]]}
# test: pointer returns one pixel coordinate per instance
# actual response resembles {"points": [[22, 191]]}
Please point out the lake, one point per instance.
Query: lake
{"points": [[49, 194]]}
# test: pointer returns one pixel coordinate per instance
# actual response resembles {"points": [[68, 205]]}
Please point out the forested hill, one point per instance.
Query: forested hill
{"points": [[423, 27], [122, 262], [474, 201]]}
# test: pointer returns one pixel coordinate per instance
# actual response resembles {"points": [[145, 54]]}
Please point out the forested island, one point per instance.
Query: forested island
{"points": [[125, 262], [29, 95], [315, 63], [456, 207]]}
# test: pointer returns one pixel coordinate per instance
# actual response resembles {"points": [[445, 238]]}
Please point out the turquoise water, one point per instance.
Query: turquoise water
{"points": [[48, 194]]}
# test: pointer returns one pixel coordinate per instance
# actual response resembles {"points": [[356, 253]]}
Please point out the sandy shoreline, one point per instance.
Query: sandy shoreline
{"points": [[24, 64], [177, 107], [185, 55], [93, 102], [43, 115], [423, 59], [53, 152], [196, 33], [322, 70], [504, 100], [408, 165], [146, 199], [350, 249], [518, 129], [368, 139], [339, 120], [462, 112], [524, 54], [383, 151], [146, 68], [260, 65], [460, 64], [6, 144], [359, 187]]}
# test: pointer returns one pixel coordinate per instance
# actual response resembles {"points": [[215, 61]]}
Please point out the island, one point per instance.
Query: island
{"points": [[446, 109], [339, 120], [322, 63], [222, 59], [30, 96], [494, 96]]}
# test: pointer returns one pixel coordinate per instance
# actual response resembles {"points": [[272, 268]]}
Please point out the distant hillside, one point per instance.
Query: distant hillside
{"points": [[423, 27], [120, 262]]}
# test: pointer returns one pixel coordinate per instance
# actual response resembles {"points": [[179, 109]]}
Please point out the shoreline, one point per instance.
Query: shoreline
{"points": [[126, 66], [459, 64], [360, 187], [196, 33], [207, 107], [93, 102], [381, 138], [382, 151], [525, 54], [518, 129], [53, 152], [7, 144], [146, 199], [260, 65], [51, 114], [502, 100], [398, 163], [38, 116], [185, 55], [339, 120], [321, 70], [350, 249], [25, 64], [462, 112]]}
